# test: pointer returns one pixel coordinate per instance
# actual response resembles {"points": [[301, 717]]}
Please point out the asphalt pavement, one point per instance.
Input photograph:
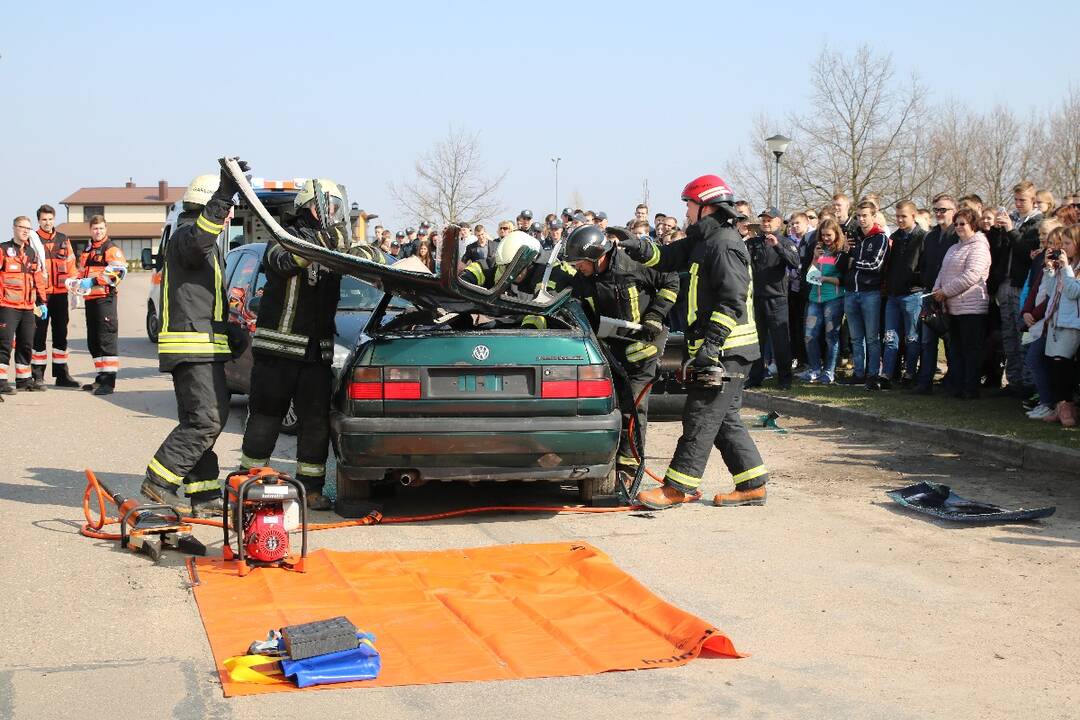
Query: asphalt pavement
{"points": [[848, 606]]}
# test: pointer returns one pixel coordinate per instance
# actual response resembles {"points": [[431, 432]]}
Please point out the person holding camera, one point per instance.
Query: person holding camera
{"points": [[961, 286], [1062, 328]]}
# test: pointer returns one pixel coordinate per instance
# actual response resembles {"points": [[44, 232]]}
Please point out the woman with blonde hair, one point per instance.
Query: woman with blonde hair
{"points": [[1062, 328]]}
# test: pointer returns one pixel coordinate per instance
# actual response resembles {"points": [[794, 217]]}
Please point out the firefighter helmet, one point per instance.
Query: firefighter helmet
{"points": [[506, 254], [588, 242], [707, 190], [334, 196], [201, 190]]}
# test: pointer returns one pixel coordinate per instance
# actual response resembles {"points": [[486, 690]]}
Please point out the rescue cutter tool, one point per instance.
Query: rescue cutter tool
{"points": [[146, 527]]}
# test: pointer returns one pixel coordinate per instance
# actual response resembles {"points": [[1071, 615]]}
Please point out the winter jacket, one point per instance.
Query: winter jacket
{"points": [[935, 245], [771, 264], [1022, 240], [1036, 304], [903, 272], [797, 278], [1067, 312], [865, 264], [963, 277], [720, 292]]}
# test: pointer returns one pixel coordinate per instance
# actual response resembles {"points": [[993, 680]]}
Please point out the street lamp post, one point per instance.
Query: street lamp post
{"points": [[556, 161], [777, 145]]}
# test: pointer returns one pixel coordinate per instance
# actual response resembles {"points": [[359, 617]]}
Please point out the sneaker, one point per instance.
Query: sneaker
{"points": [[884, 383], [1039, 412], [807, 376], [873, 384], [1031, 403], [827, 378]]}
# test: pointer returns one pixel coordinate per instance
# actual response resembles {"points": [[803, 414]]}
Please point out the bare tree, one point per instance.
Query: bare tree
{"points": [[1061, 163], [858, 127], [451, 185]]}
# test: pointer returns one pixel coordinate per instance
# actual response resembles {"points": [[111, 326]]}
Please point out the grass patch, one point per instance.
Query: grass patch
{"points": [[994, 416]]}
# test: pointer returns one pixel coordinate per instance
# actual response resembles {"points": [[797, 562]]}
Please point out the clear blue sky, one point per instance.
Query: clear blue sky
{"points": [[95, 93]]}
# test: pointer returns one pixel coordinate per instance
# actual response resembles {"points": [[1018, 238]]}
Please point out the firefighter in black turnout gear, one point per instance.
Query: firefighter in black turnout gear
{"points": [[721, 338], [293, 345], [193, 346], [620, 288], [529, 274]]}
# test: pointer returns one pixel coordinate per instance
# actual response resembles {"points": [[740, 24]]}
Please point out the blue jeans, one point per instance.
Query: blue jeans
{"points": [[1035, 359], [928, 360], [902, 320], [863, 310], [823, 317]]}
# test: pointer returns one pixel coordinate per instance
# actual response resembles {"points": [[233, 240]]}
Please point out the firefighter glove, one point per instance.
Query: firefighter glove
{"points": [[707, 356], [652, 326], [227, 186]]}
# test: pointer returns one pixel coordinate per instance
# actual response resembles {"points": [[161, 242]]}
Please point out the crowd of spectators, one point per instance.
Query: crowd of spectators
{"points": [[863, 295]]}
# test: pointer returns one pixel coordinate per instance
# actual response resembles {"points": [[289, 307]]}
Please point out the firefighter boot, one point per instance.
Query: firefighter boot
{"points": [[62, 378], [164, 496], [317, 501], [7, 388], [37, 373], [663, 497], [91, 387], [752, 496], [207, 504], [107, 385]]}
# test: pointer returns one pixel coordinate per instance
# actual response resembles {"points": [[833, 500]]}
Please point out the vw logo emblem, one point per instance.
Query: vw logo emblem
{"points": [[481, 352]]}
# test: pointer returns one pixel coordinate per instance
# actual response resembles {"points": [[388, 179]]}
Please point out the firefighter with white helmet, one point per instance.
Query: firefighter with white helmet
{"points": [[195, 341]]}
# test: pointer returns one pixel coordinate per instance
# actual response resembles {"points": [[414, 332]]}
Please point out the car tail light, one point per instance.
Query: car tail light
{"points": [[385, 384], [575, 381]]}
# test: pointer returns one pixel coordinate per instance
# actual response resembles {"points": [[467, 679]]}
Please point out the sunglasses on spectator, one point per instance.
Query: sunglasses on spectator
{"points": [[23, 227], [942, 210]]}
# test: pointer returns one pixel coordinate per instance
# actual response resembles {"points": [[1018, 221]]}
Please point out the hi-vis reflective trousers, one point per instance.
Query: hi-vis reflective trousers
{"points": [[186, 457], [711, 418], [275, 383]]}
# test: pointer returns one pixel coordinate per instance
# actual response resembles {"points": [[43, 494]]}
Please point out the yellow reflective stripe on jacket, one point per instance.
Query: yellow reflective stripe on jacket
{"points": [[691, 295], [219, 292], [165, 296], [654, 259], [750, 474], [209, 226], [640, 351], [292, 289], [682, 478], [537, 321], [176, 336], [477, 272], [194, 349], [723, 319], [667, 295], [635, 304]]}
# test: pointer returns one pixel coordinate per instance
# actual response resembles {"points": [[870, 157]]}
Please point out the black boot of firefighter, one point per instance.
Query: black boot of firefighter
{"points": [[207, 504], [91, 387], [62, 377], [106, 385]]}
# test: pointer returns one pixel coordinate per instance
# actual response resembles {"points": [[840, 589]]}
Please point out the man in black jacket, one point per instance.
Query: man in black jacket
{"points": [[1016, 236], [864, 267], [193, 346], [936, 243], [903, 282], [721, 339], [798, 289], [294, 342], [772, 255], [617, 287]]}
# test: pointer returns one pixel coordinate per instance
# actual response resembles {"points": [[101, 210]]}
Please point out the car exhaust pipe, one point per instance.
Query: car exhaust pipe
{"points": [[410, 478]]}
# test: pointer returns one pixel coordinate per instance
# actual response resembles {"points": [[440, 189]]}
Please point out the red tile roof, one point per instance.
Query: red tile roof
{"points": [[123, 196], [118, 230]]}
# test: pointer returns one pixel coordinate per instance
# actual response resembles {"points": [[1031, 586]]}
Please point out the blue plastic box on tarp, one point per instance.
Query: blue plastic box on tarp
{"points": [[360, 663], [941, 502]]}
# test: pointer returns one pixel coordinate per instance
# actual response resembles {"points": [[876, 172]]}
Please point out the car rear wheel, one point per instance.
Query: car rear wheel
{"points": [[590, 488], [153, 325]]}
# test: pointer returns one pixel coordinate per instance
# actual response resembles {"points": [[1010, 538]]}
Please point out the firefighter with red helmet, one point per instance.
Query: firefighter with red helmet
{"points": [[721, 343], [619, 288], [102, 267], [22, 296], [60, 265]]}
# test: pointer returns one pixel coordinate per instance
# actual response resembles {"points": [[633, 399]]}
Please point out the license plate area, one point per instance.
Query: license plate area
{"points": [[481, 383]]}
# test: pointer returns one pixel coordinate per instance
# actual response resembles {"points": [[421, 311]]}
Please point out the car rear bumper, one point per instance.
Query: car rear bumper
{"points": [[555, 448]]}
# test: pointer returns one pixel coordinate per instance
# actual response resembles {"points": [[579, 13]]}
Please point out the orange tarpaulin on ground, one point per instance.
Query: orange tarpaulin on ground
{"points": [[493, 613]]}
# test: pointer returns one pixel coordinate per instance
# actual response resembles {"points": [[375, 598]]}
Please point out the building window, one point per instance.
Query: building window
{"points": [[90, 211]]}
